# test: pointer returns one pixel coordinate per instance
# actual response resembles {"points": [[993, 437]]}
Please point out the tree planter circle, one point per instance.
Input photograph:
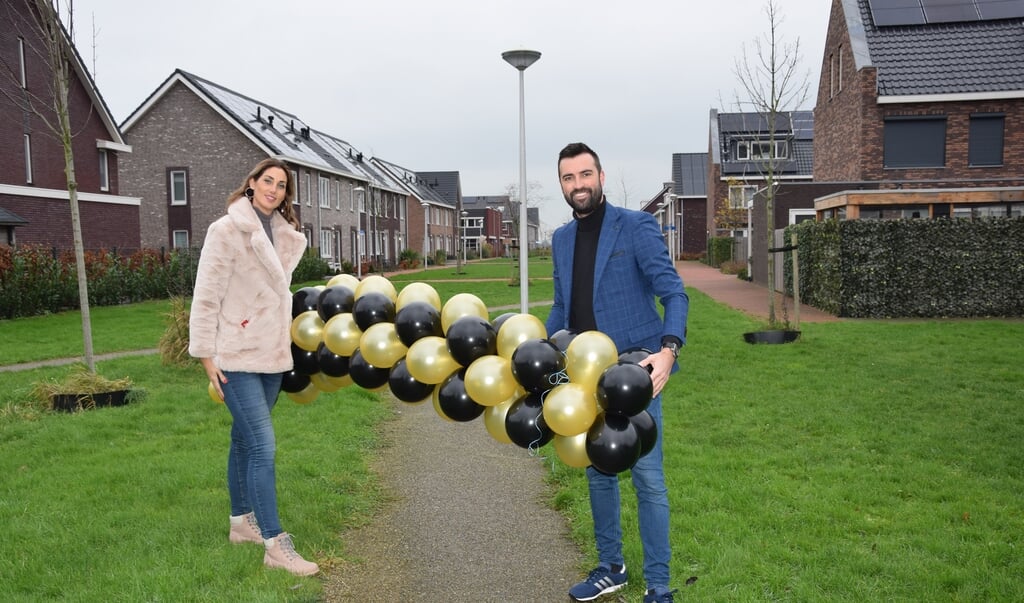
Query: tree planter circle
{"points": [[74, 402], [773, 336]]}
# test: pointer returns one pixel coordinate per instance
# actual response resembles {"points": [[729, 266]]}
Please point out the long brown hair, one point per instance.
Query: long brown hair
{"points": [[285, 208]]}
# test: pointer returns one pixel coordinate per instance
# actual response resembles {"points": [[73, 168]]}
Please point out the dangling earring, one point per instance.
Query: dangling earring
{"points": [[249, 193]]}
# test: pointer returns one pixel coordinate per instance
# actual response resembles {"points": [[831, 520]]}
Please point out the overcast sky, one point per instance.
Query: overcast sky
{"points": [[422, 83]]}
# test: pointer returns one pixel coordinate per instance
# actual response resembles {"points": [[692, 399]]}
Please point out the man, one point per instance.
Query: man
{"points": [[609, 265]]}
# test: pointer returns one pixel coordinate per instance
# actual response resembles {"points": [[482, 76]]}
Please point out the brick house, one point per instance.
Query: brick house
{"points": [[194, 142], [689, 208], [490, 220], [34, 200], [426, 207], [925, 102]]}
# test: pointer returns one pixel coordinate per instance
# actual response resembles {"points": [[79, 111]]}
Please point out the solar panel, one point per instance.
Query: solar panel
{"points": [[919, 12]]}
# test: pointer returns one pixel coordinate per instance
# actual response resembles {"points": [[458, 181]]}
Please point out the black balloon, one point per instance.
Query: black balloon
{"points": [[364, 374], [417, 320], [303, 361], [371, 308], [469, 338], [334, 300], [625, 388], [524, 422], [455, 403], [535, 364], [304, 300], [500, 320], [331, 364], [634, 355], [646, 429], [562, 339], [293, 382], [613, 444], [405, 387]]}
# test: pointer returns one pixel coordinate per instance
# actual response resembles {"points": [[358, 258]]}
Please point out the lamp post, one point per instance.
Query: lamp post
{"points": [[426, 235], [359, 233], [521, 59]]}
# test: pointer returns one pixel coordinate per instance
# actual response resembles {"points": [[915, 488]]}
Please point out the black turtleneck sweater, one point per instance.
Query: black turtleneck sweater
{"points": [[581, 308]]}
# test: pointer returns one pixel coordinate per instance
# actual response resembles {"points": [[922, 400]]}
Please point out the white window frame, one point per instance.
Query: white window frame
{"points": [[741, 195], [325, 242], [28, 159], [295, 179], [336, 187], [309, 189], [324, 192], [174, 239], [104, 170], [183, 200], [22, 71], [744, 150]]}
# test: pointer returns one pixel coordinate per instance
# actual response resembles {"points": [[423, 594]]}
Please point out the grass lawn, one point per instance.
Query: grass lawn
{"points": [[868, 461]]}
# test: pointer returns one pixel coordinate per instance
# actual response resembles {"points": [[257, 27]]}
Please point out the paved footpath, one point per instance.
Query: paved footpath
{"points": [[468, 521]]}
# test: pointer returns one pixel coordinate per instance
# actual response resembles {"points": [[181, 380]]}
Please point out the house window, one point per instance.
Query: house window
{"points": [[104, 171], [914, 142], [22, 72], [985, 146], [28, 159], [324, 192], [309, 189], [759, 150], [179, 239], [337, 194], [740, 196], [179, 187], [295, 179], [325, 242]]}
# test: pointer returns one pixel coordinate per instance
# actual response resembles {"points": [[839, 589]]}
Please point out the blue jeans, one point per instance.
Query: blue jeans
{"points": [[652, 511], [252, 483]]}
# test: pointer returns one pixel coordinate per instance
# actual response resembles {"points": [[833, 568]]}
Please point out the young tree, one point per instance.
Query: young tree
{"points": [[773, 88], [46, 40]]}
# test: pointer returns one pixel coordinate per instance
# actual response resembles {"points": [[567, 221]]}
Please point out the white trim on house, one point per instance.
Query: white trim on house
{"points": [[53, 193], [113, 146], [950, 98]]}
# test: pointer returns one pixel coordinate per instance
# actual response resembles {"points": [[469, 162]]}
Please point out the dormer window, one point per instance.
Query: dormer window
{"points": [[761, 150]]}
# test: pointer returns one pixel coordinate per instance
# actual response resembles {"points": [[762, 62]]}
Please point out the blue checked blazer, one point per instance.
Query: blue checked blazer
{"points": [[631, 269]]}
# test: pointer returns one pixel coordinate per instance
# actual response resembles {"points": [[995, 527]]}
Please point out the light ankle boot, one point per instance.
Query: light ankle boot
{"points": [[281, 553], [246, 530]]}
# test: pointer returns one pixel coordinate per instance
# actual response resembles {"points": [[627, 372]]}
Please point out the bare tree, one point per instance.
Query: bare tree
{"points": [[47, 40], [772, 88]]}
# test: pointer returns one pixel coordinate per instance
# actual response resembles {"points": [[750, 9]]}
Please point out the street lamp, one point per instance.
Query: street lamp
{"points": [[426, 236], [521, 59], [359, 233], [464, 225]]}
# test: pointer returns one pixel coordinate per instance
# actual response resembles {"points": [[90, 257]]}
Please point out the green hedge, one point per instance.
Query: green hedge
{"points": [[719, 250], [912, 268]]}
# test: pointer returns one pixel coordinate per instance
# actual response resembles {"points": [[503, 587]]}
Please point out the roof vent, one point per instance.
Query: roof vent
{"points": [[270, 120], [258, 116]]}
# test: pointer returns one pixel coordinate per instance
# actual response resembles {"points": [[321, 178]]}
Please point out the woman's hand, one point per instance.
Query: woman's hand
{"points": [[214, 374]]}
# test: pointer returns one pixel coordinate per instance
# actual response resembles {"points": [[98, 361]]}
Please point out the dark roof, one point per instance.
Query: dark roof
{"points": [[412, 182], [446, 184], [690, 174], [795, 126], [9, 218], [975, 56]]}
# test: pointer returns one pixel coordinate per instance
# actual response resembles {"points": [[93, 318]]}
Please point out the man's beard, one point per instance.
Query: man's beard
{"points": [[585, 206]]}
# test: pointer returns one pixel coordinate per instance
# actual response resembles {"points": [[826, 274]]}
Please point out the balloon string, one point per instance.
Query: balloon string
{"points": [[558, 378]]}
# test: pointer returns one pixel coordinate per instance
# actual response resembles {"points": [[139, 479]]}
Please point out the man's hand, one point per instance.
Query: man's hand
{"points": [[660, 364]]}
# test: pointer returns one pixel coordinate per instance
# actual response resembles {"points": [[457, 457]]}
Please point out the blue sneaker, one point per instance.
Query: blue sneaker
{"points": [[651, 596], [601, 581]]}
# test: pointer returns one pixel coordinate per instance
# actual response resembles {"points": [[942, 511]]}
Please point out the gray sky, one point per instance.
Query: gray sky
{"points": [[422, 84]]}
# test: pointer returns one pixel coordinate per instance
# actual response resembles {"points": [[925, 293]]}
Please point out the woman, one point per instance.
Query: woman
{"points": [[240, 329]]}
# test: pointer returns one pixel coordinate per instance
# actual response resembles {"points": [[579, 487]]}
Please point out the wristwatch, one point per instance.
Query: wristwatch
{"points": [[672, 347]]}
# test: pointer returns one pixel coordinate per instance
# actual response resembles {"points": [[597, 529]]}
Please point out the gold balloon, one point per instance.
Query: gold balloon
{"points": [[429, 360], [569, 409], [588, 354], [324, 383], [307, 395], [308, 330], [494, 420], [339, 382], [418, 292], [462, 304], [376, 283], [345, 280], [489, 380], [518, 329], [572, 450], [381, 346], [210, 389], [437, 406], [342, 334]]}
